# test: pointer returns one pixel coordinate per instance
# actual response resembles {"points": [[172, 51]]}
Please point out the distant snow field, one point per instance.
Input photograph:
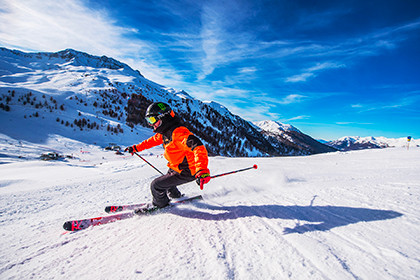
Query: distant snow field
{"points": [[343, 215]]}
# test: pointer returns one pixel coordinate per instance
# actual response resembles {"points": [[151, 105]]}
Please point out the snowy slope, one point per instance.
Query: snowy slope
{"points": [[350, 215]]}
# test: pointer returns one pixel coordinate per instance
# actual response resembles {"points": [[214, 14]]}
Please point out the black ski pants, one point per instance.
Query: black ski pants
{"points": [[167, 183]]}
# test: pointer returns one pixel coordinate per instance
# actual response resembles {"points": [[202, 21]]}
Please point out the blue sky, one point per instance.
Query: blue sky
{"points": [[330, 68]]}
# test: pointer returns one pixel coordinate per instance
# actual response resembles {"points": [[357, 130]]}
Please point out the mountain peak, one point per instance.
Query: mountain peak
{"points": [[83, 59], [275, 127], [71, 56], [291, 136], [348, 143]]}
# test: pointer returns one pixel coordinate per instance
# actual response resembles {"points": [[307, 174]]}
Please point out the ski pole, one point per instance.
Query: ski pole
{"points": [[236, 171], [148, 163]]}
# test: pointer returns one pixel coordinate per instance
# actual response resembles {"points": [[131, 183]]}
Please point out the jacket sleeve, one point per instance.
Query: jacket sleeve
{"points": [[153, 141], [201, 159]]}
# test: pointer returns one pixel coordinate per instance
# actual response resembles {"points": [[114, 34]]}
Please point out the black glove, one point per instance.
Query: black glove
{"points": [[131, 149]]}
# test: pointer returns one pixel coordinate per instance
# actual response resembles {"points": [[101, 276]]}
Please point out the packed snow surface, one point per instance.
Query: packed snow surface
{"points": [[352, 215]]}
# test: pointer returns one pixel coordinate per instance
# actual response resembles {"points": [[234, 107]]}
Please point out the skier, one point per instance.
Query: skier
{"points": [[187, 157]]}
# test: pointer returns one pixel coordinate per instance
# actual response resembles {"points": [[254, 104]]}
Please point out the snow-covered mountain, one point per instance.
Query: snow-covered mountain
{"points": [[291, 136], [398, 142], [275, 127], [349, 143], [100, 100]]}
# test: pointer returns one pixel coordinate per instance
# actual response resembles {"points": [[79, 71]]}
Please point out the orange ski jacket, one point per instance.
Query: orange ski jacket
{"points": [[184, 152]]}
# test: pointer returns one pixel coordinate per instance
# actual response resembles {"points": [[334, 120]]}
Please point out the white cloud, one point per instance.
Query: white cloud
{"points": [[311, 71], [403, 103], [246, 70], [211, 39], [302, 117], [353, 123], [299, 78], [291, 98], [56, 25], [325, 65], [221, 41]]}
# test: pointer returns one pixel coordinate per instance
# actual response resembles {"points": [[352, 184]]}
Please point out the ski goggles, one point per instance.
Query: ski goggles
{"points": [[151, 120]]}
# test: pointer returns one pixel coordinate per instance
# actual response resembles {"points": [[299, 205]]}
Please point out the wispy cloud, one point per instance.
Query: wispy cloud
{"points": [[211, 41], [373, 43], [406, 103], [312, 71], [299, 78], [258, 113], [291, 98], [221, 46], [301, 117], [54, 25], [245, 75], [353, 123], [345, 52], [247, 70]]}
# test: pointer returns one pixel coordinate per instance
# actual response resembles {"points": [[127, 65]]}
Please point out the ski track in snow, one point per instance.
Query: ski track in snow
{"points": [[352, 215]]}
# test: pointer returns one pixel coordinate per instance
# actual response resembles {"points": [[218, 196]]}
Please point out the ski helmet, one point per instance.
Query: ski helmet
{"points": [[158, 110]]}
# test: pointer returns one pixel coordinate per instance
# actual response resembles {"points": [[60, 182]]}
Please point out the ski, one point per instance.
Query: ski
{"points": [[120, 208], [147, 209], [76, 225]]}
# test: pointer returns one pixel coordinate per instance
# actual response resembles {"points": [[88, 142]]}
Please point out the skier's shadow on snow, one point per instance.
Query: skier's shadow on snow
{"points": [[319, 218]]}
